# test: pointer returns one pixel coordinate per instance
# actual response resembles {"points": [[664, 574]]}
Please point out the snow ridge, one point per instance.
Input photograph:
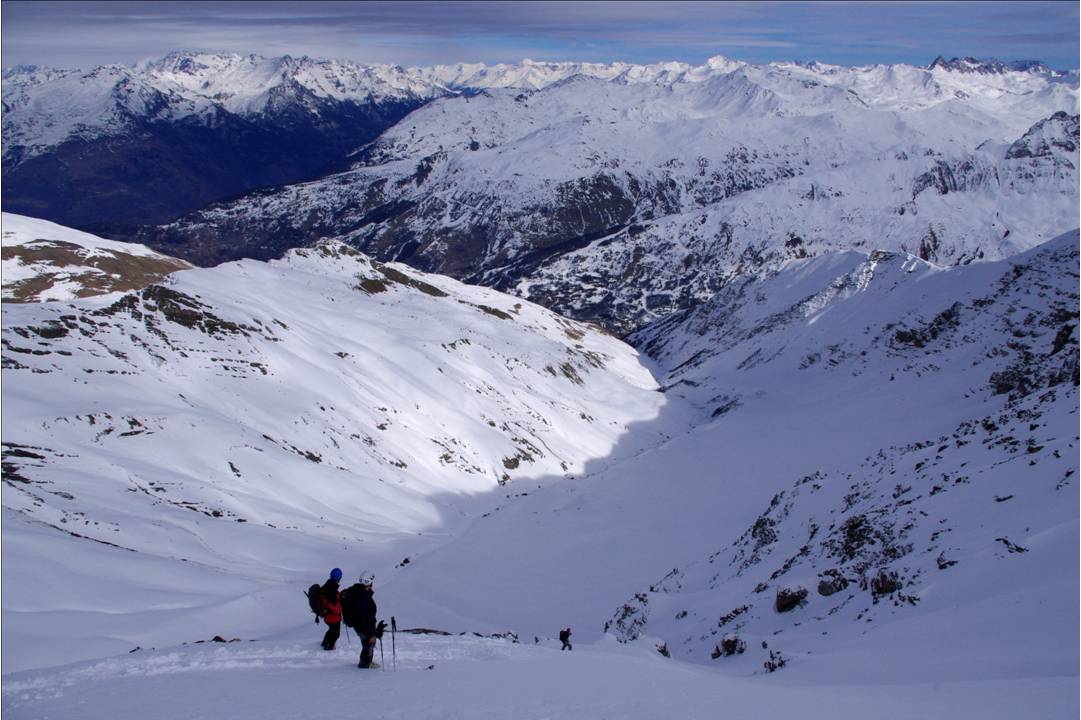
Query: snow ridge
{"points": [[44, 261]]}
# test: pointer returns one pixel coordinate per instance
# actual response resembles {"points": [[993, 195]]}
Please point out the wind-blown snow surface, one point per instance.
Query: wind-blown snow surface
{"points": [[44, 261]]}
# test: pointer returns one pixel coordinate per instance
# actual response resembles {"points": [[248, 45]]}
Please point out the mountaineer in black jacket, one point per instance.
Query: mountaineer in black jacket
{"points": [[358, 609]]}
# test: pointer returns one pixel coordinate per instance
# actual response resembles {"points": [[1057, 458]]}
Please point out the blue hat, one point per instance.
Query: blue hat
{"points": [[336, 574]]}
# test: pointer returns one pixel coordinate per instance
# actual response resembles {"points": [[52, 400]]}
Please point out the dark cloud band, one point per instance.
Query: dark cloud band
{"points": [[421, 33]]}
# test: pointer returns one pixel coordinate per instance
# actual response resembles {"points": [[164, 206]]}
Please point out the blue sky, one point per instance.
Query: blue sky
{"points": [[423, 33]]}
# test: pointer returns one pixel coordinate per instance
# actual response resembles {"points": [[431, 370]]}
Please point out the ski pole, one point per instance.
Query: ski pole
{"points": [[393, 644], [382, 661]]}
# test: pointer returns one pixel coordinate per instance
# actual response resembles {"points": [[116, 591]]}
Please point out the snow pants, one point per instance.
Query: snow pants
{"points": [[333, 631], [367, 650]]}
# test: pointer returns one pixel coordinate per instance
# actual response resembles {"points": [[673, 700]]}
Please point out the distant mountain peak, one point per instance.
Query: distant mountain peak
{"points": [[724, 64], [989, 66]]}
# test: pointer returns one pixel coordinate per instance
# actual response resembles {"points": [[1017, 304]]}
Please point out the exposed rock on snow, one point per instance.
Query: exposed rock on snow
{"points": [[875, 538], [43, 261]]}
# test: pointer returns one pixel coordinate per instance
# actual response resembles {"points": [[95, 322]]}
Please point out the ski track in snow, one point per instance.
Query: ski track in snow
{"points": [[469, 677]]}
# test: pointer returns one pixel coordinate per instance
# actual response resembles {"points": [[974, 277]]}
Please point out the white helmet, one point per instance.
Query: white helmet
{"points": [[367, 578]]}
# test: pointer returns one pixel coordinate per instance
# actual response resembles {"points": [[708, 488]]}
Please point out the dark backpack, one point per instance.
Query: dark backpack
{"points": [[315, 599], [352, 605]]}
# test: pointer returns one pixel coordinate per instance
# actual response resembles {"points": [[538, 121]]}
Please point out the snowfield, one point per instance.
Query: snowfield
{"points": [[225, 431], [469, 677], [845, 487]]}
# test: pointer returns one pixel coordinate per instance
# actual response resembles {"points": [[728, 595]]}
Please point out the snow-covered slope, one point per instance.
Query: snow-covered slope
{"points": [[439, 677], [951, 531], [199, 441], [896, 438], [45, 261], [620, 200]]}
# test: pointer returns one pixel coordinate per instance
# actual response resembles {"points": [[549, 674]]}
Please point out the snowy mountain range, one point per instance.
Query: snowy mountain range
{"points": [[119, 145], [829, 470], [653, 185], [619, 201], [48, 106]]}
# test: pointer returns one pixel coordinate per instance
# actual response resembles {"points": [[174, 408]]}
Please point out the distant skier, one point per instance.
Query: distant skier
{"points": [[358, 605], [332, 609], [565, 638]]}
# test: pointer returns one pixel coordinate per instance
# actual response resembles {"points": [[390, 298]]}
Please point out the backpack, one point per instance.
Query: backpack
{"points": [[315, 599], [350, 612]]}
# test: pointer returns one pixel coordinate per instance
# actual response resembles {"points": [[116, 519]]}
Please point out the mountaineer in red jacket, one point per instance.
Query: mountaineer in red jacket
{"points": [[332, 609]]}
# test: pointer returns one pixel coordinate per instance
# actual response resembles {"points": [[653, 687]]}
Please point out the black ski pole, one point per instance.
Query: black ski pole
{"points": [[393, 644], [382, 662]]}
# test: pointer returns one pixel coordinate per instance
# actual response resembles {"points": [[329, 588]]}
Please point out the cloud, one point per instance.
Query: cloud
{"points": [[64, 33]]}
